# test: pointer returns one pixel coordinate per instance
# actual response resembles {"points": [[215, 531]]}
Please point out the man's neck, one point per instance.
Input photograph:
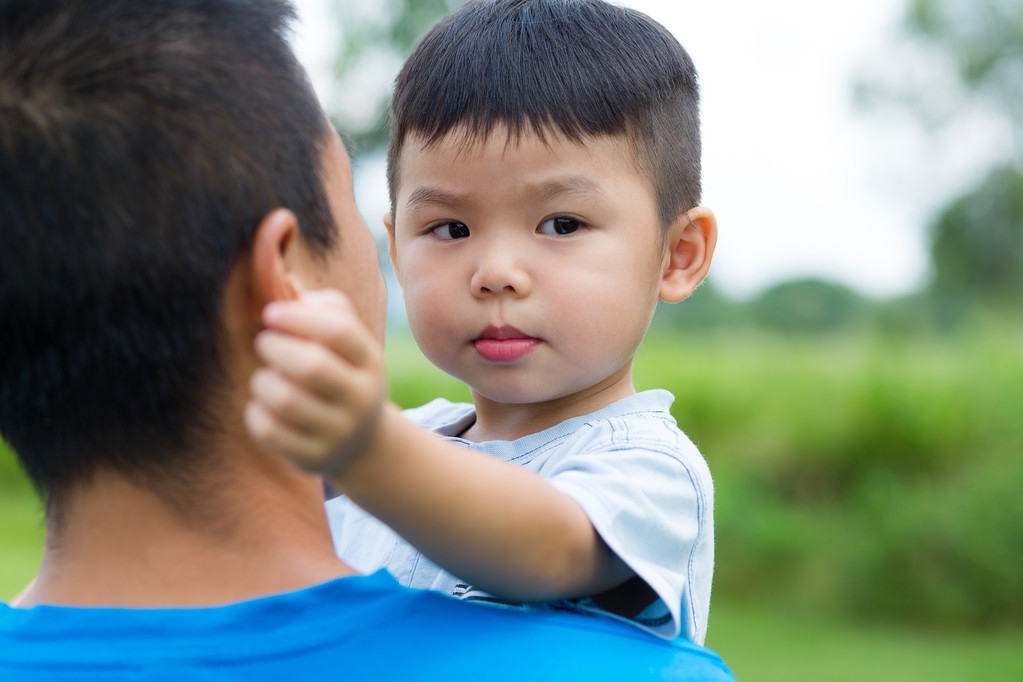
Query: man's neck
{"points": [[121, 544]]}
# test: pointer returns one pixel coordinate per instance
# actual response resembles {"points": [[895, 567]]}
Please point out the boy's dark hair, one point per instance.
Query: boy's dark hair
{"points": [[141, 143], [572, 67]]}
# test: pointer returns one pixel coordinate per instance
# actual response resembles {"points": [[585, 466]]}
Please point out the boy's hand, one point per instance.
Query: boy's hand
{"points": [[319, 397]]}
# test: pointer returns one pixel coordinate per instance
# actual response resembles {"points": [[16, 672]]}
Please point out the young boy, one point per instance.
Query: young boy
{"points": [[544, 172]]}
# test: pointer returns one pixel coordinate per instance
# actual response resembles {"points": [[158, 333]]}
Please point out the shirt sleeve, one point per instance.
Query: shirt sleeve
{"points": [[649, 495]]}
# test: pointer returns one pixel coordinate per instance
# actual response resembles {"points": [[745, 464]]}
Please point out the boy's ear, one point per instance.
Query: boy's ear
{"points": [[689, 249], [275, 255], [389, 225]]}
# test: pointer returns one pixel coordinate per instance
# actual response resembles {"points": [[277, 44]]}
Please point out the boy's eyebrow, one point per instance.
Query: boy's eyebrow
{"points": [[431, 195], [547, 190], [576, 184]]}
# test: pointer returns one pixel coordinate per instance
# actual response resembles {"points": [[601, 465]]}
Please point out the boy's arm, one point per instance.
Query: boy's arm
{"points": [[501, 528], [495, 525]]}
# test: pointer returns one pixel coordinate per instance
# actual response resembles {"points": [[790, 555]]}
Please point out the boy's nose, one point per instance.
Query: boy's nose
{"points": [[500, 270]]}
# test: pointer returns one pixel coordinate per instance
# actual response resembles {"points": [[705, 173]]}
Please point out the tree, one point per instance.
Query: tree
{"points": [[374, 39], [977, 241], [955, 57], [963, 59], [705, 310], [809, 306]]}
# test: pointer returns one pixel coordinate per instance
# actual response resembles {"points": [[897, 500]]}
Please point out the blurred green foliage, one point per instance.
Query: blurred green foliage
{"points": [[974, 290], [807, 306], [977, 242], [867, 477]]}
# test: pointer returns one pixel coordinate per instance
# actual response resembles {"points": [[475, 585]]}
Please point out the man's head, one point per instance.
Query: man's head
{"points": [[572, 68], [142, 145]]}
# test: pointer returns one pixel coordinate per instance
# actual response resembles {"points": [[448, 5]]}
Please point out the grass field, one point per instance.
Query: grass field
{"points": [[761, 645]]}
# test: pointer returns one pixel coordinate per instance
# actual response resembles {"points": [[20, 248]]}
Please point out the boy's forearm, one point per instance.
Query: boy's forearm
{"points": [[501, 528]]}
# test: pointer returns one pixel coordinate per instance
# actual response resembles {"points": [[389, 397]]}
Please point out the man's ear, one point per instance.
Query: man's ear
{"points": [[689, 249], [389, 225], [275, 252]]}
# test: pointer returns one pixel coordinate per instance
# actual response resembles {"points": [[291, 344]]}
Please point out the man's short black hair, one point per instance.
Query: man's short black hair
{"points": [[141, 143], [577, 68]]}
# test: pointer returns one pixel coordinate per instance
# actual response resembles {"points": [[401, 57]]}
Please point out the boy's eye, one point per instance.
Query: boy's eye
{"points": [[452, 230], [559, 225]]}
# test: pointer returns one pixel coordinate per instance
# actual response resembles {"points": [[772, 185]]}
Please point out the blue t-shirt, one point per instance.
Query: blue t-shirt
{"points": [[353, 628]]}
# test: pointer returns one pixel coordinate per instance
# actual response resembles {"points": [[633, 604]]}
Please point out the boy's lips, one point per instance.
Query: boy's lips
{"points": [[504, 344]]}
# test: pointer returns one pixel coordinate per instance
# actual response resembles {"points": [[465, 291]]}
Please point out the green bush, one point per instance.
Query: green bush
{"points": [[947, 552], [866, 477]]}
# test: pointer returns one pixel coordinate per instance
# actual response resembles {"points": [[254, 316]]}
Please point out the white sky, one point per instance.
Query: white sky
{"points": [[802, 184]]}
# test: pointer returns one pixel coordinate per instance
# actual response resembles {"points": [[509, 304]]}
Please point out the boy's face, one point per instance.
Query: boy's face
{"points": [[530, 271]]}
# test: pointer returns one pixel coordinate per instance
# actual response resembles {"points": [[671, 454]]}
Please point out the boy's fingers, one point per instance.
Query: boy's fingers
{"points": [[295, 408], [308, 363], [326, 302], [304, 318], [326, 296], [335, 324], [310, 452], [321, 371], [352, 339], [278, 439]]}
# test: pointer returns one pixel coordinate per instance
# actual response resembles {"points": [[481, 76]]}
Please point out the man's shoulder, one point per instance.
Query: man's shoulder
{"points": [[455, 640], [368, 626]]}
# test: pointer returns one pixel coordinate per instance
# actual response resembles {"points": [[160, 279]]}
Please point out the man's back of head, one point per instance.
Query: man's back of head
{"points": [[140, 145]]}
